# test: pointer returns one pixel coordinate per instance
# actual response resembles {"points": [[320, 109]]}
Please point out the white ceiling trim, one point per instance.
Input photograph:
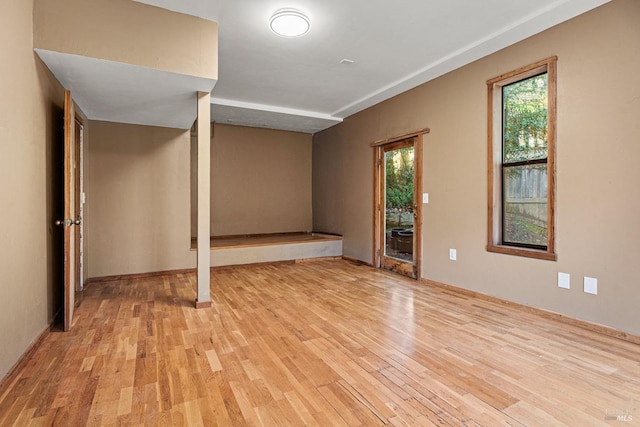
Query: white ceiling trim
{"points": [[274, 109], [269, 116]]}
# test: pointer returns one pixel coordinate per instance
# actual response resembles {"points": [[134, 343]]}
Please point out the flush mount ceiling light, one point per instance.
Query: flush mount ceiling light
{"points": [[289, 23]]}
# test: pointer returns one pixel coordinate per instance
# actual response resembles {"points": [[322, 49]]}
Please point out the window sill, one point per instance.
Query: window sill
{"points": [[529, 253]]}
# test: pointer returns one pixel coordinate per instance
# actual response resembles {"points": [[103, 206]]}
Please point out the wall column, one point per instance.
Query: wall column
{"points": [[204, 200]]}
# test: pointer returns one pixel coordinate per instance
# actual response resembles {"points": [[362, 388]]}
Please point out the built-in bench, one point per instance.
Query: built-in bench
{"points": [[278, 247]]}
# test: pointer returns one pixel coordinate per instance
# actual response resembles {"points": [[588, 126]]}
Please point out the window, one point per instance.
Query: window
{"points": [[522, 123]]}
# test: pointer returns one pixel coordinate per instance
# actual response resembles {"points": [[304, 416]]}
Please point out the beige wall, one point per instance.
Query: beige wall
{"points": [[138, 203], [152, 37], [31, 130], [598, 202], [138, 188], [260, 181]]}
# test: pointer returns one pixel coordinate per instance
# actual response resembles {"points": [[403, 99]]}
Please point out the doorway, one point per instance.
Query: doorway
{"points": [[398, 219], [79, 198]]}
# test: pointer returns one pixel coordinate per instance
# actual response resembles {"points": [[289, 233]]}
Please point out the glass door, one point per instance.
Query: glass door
{"points": [[398, 208]]}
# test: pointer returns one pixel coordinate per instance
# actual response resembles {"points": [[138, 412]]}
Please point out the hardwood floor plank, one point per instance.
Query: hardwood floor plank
{"points": [[347, 405], [320, 343], [301, 408], [125, 401], [231, 405], [244, 403], [14, 409]]}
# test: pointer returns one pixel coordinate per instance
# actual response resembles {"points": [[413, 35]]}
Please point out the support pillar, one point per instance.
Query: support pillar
{"points": [[204, 200]]}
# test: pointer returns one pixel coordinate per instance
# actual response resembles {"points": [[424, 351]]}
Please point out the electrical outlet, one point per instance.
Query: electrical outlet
{"points": [[453, 254], [425, 198], [564, 280], [591, 285]]}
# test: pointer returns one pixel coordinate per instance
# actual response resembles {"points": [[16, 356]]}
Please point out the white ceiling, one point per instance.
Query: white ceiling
{"points": [[299, 83]]}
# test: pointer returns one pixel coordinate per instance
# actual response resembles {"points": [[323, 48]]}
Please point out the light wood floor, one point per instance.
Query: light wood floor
{"points": [[321, 343]]}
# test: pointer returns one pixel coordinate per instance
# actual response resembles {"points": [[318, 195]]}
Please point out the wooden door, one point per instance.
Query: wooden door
{"points": [[398, 221], [69, 220]]}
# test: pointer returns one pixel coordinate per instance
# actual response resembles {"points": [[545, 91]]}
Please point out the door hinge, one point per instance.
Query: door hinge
{"points": [[379, 162], [378, 252], [379, 208]]}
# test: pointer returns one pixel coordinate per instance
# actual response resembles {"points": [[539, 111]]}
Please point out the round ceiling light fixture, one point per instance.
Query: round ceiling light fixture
{"points": [[289, 23]]}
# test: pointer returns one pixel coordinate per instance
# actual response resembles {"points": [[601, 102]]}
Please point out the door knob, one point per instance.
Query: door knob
{"points": [[77, 222]]}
